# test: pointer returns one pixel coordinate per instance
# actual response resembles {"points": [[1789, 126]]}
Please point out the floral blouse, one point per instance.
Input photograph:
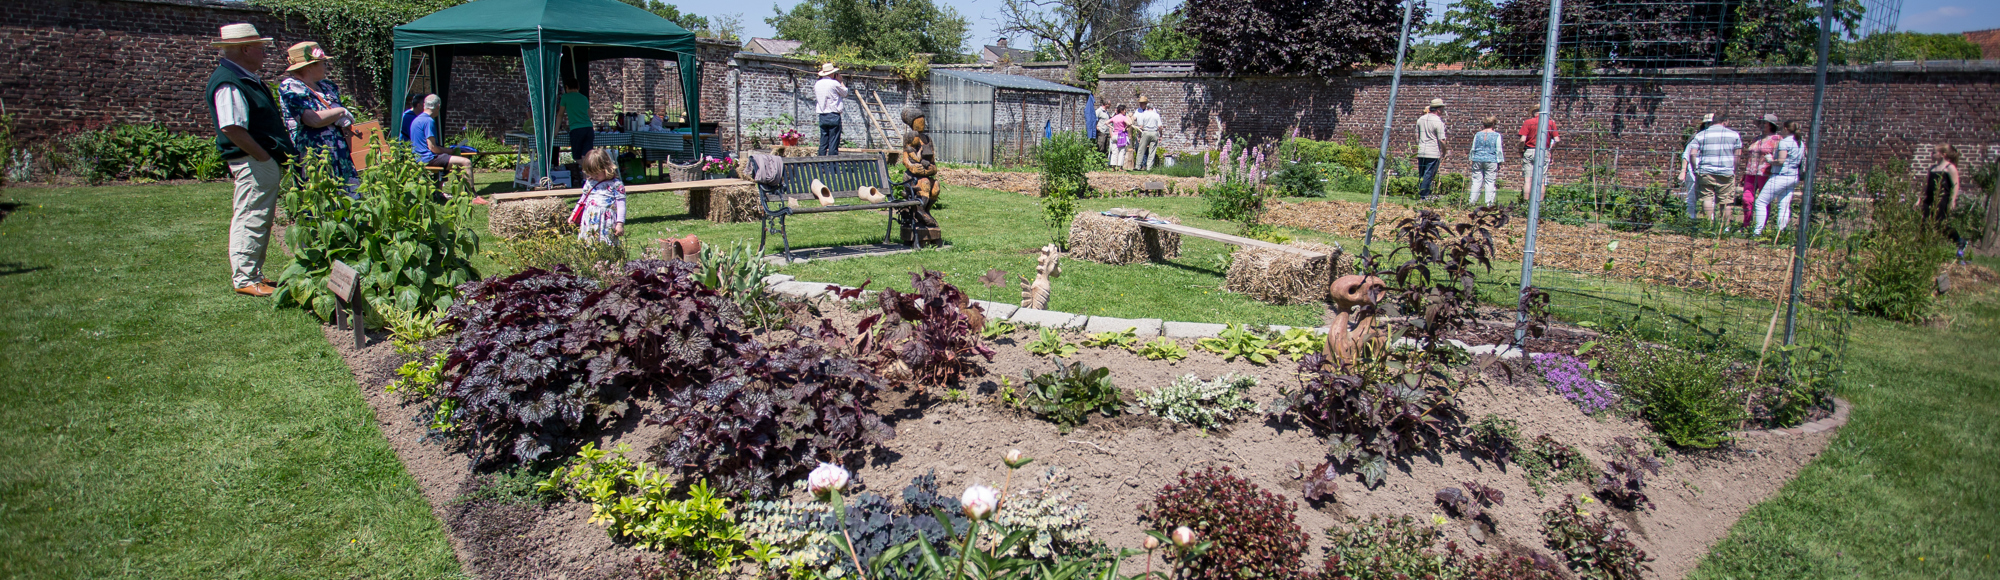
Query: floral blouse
{"points": [[298, 99]]}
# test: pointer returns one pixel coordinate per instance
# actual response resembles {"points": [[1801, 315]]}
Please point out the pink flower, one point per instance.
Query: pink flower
{"points": [[826, 478], [1183, 537], [979, 501]]}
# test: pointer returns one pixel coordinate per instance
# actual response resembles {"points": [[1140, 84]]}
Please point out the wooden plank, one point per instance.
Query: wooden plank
{"points": [[630, 189], [1225, 238], [342, 281]]}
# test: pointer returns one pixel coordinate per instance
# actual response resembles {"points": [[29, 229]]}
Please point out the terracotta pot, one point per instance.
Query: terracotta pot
{"points": [[688, 248]]}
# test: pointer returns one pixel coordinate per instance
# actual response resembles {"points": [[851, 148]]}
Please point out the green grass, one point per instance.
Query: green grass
{"points": [[156, 425]]}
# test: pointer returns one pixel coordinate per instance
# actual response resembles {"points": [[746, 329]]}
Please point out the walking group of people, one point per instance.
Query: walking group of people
{"points": [[1128, 140], [1488, 151]]}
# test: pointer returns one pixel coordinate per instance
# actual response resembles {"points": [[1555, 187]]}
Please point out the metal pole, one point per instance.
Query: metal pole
{"points": [[1811, 168], [1538, 180], [1388, 121]]}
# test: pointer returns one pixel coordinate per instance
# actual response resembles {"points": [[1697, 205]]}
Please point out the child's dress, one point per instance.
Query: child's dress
{"points": [[602, 206]]}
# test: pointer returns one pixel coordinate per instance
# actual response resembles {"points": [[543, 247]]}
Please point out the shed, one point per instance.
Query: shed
{"points": [[986, 118]]}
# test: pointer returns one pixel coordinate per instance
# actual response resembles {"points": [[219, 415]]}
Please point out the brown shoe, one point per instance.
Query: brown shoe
{"points": [[272, 283], [259, 290]]}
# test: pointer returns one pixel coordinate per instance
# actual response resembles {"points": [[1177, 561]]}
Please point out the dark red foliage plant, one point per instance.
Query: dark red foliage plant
{"points": [[1471, 501], [929, 336], [1591, 544], [1254, 532], [657, 329], [1623, 481], [518, 393]]}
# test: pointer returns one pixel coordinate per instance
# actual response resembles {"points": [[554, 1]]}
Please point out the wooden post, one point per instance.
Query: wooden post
{"points": [[346, 286]]}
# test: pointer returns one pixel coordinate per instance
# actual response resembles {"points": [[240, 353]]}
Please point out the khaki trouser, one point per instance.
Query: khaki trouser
{"points": [[1528, 172], [1706, 191], [1149, 141], [250, 223]]}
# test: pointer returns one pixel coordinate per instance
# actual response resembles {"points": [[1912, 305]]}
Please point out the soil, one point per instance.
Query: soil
{"points": [[1115, 464]]}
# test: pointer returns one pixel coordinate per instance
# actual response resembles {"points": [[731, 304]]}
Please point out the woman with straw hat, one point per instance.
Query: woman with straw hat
{"points": [[312, 110], [250, 135]]}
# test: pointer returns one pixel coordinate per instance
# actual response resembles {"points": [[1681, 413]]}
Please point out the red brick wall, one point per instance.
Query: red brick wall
{"points": [[1873, 114]]}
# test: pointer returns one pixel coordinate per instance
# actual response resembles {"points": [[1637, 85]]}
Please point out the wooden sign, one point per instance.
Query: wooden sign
{"points": [[342, 281]]}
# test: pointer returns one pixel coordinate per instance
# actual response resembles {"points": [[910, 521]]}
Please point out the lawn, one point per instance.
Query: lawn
{"points": [[159, 426]]}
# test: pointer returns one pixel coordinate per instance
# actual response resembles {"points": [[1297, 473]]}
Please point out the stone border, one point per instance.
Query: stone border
{"points": [[1841, 411]]}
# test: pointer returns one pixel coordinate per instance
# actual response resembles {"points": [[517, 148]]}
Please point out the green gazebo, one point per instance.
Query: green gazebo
{"points": [[555, 38]]}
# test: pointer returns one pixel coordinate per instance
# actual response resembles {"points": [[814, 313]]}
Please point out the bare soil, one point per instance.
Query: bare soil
{"points": [[1115, 464]]}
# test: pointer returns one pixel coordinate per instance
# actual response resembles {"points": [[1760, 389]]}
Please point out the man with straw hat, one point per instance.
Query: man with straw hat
{"points": [[830, 91], [1430, 146], [313, 115], [251, 136], [1148, 122]]}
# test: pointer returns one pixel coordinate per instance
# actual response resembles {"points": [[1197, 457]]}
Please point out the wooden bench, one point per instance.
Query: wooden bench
{"points": [[1239, 241], [845, 175], [629, 189]]}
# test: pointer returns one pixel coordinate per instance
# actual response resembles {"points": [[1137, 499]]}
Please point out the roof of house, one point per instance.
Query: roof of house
{"points": [[772, 46], [1012, 54], [1988, 41], [1013, 82]]}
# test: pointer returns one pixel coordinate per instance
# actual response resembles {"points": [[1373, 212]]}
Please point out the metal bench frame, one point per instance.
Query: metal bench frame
{"points": [[845, 175]]}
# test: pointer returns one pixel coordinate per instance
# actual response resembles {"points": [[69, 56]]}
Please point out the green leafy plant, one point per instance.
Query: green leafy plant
{"points": [[407, 249], [1065, 159], [1232, 200], [1899, 260], [1070, 394], [1545, 460], [996, 328], [1495, 436], [417, 382], [1254, 532], [738, 273], [1592, 545], [1297, 342], [1198, 403], [548, 248], [1051, 343], [1690, 399], [1161, 348], [1114, 339], [1237, 342], [141, 153], [407, 328], [1388, 547], [635, 501]]}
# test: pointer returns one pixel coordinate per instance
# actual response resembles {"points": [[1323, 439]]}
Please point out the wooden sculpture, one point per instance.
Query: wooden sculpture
{"points": [[1036, 294], [1345, 336], [920, 160]]}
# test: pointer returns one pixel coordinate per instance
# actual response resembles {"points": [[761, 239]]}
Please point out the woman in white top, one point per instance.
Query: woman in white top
{"points": [[1784, 177]]}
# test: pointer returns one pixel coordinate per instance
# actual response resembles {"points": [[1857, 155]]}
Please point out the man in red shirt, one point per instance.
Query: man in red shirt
{"points": [[1528, 153]]}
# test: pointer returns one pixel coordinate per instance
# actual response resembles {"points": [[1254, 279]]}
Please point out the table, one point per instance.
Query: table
{"points": [[672, 146]]}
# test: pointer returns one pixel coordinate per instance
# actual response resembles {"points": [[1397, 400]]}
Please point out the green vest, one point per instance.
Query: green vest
{"points": [[267, 123]]}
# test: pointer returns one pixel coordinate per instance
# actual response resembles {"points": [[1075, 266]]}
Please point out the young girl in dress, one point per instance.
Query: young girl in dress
{"points": [[600, 215]]}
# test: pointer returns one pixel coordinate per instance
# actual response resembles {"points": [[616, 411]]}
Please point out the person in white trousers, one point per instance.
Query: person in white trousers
{"points": [[1486, 158], [1784, 178]]}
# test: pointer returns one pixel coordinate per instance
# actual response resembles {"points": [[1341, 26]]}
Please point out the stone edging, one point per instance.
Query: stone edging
{"points": [[1841, 410], [1142, 327]]}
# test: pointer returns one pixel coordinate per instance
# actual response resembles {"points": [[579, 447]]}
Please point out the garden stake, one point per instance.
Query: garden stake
{"points": [[1769, 330]]}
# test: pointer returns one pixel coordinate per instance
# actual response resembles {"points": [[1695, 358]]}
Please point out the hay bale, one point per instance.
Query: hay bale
{"points": [[1109, 240], [725, 205], [1280, 277], [514, 219]]}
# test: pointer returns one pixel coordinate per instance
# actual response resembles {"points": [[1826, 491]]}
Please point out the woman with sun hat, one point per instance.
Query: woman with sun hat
{"points": [[312, 110]]}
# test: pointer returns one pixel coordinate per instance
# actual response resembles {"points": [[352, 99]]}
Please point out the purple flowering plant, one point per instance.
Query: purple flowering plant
{"points": [[1570, 377]]}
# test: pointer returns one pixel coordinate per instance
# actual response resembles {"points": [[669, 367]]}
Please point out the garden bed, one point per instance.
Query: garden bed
{"points": [[1115, 464]]}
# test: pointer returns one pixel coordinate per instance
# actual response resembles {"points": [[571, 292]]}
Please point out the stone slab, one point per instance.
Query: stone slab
{"points": [[800, 289], [997, 310], [1047, 318], [1143, 327], [1191, 329], [776, 279]]}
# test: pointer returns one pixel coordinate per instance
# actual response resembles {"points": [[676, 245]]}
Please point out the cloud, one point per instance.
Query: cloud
{"points": [[1943, 19]]}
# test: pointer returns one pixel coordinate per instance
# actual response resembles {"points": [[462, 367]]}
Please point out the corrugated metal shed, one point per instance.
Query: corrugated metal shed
{"points": [[984, 118], [1010, 82]]}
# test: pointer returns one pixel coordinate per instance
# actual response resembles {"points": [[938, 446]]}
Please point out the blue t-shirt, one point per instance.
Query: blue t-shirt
{"points": [[408, 116], [422, 129]]}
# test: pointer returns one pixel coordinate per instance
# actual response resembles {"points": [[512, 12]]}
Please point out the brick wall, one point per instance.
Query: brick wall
{"points": [[766, 87], [1874, 113]]}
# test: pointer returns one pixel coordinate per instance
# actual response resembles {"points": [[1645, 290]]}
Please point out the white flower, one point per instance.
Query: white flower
{"points": [[1183, 537], [826, 478], [979, 501], [1152, 543], [1015, 459]]}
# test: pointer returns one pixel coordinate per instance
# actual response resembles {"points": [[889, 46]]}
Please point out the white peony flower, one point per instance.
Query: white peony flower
{"points": [[979, 501], [826, 478], [1183, 537]]}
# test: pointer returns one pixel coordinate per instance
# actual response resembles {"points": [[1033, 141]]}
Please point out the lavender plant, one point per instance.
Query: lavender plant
{"points": [[1570, 377]]}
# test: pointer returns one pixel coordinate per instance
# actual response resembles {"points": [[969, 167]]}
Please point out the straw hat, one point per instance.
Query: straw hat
{"points": [[1437, 103], [302, 54], [1708, 118], [828, 69], [1142, 100], [239, 34]]}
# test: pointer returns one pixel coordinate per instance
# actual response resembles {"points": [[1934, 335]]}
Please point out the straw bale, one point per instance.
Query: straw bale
{"points": [[513, 219], [1280, 277], [725, 205], [1109, 240]]}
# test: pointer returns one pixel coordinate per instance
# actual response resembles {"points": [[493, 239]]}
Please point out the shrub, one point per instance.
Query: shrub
{"points": [[1070, 394], [1066, 159], [1299, 180], [1450, 185], [1387, 547], [1405, 186], [1570, 377], [407, 249], [143, 153], [655, 329], [1624, 479], [549, 248], [632, 499], [1349, 179], [1899, 262], [1232, 200], [478, 139], [1351, 155], [770, 415], [1592, 546], [930, 336], [1198, 403], [514, 384], [1253, 531], [1689, 398]]}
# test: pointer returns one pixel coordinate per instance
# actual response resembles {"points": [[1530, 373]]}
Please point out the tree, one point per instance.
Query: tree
{"points": [[1078, 30], [1166, 41], [879, 30], [687, 20], [1889, 46], [1467, 25], [360, 33], [1318, 37], [1663, 33]]}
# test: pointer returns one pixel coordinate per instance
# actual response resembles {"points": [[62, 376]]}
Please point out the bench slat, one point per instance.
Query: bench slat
{"points": [[833, 208], [1225, 238]]}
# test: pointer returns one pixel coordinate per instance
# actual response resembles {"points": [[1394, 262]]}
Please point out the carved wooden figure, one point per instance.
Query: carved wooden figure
{"points": [[1036, 294], [920, 159], [1345, 336]]}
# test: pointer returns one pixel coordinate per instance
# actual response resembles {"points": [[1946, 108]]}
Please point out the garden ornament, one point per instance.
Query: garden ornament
{"points": [[1345, 336], [823, 193], [686, 249], [871, 193], [920, 155], [1036, 294]]}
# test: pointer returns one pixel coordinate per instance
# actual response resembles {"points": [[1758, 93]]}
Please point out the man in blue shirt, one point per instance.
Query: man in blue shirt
{"points": [[429, 147], [410, 114]]}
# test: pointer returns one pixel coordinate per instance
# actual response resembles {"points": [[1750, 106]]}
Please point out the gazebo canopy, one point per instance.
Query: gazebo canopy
{"points": [[555, 39]]}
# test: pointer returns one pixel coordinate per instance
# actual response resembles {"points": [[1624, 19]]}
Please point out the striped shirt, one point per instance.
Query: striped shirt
{"points": [[1715, 149]]}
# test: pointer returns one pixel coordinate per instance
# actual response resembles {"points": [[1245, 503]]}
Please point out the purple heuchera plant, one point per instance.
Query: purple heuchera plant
{"points": [[1570, 377]]}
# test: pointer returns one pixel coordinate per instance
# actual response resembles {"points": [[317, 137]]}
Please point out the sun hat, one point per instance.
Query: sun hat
{"points": [[239, 34], [1708, 118], [1771, 118], [1437, 103], [828, 69], [1142, 100], [302, 54]]}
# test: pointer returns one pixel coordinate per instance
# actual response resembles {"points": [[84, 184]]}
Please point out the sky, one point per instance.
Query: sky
{"points": [[984, 15]]}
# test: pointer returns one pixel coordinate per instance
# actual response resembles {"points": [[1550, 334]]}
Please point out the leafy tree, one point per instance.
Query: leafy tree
{"points": [[1077, 30], [1661, 33], [1317, 37], [878, 30], [1166, 41], [1467, 24], [1786, 32], [688, 20], [1914, 46]]}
